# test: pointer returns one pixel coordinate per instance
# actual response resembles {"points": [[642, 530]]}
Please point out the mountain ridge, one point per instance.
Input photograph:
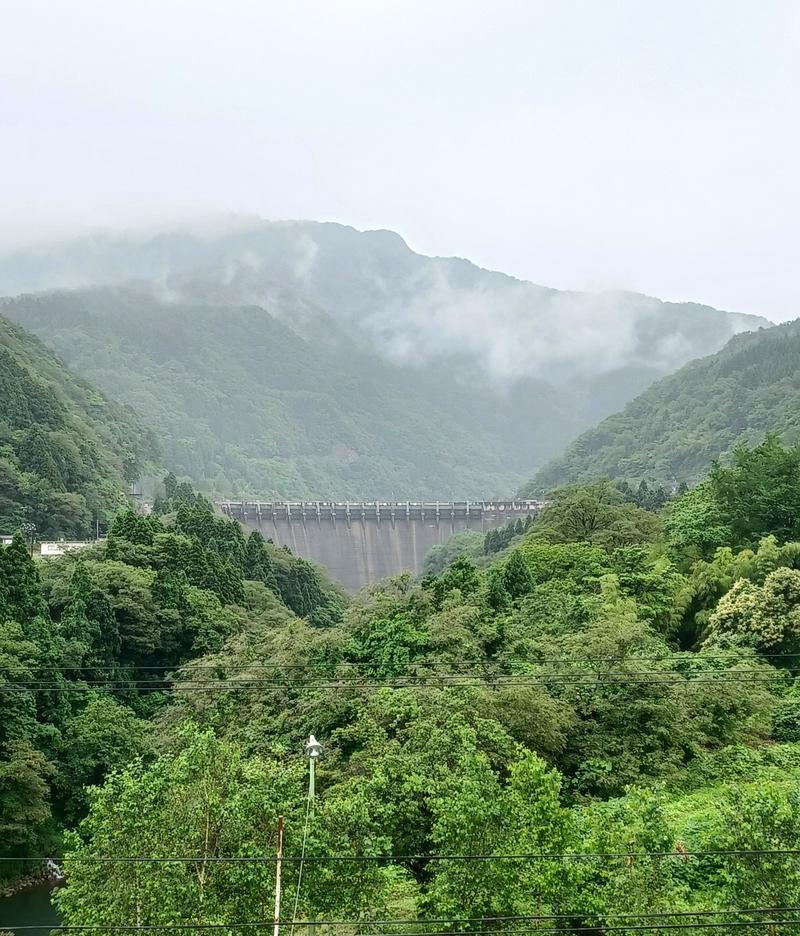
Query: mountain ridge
{"points": [[520, 368]]}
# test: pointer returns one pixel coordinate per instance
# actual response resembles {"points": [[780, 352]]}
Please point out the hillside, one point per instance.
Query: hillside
{"points": [[67, 454], [410, 375], [243, 402], [673, 431]]}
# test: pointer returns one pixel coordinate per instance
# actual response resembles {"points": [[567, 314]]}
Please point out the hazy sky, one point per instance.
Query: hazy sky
{"points": [[639, 144]]}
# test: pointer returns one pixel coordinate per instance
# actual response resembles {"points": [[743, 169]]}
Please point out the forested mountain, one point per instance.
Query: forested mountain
{"points": [[672, 432], [243, 402], [414, 375], [67, 453]]}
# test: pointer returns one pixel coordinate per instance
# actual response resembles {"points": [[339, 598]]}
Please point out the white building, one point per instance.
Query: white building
{"points": [[59, 547]]}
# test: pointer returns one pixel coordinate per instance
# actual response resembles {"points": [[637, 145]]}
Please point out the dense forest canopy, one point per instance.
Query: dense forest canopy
{"points": [[67, 453], [672, 432], [98, 633], [314, 360], [613, 690]]}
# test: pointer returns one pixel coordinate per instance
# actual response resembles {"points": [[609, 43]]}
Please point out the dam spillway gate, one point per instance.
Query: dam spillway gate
{"points": [[363, 542]]}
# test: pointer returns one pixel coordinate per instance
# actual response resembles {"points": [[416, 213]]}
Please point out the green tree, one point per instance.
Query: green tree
{"points": [[20, 595], [760, 493], [764, 815], [101, 736], [258, 565], [631, 825], [206, 800], [25, 773], [696, 526], [595, 513], [765, 617], [474, 812], [170, 486], [517, 579]]}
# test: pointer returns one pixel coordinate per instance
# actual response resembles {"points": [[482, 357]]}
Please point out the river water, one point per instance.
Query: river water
{"points": [[29, 908]]}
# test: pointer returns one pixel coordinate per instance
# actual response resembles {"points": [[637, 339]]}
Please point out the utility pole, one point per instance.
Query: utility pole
{"points": [[277, 927]]}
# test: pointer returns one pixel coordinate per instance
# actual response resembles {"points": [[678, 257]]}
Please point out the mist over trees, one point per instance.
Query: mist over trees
{"points": [[313, 360], [565, 700], [671, 433]]}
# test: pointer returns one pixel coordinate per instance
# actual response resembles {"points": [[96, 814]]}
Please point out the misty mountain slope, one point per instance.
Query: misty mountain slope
{"points": [[673, 431], [245, 404], [519, 368], [67, 453]]}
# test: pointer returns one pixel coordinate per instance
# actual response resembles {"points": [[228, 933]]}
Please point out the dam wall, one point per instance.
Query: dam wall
{"points": [[360, 543]]}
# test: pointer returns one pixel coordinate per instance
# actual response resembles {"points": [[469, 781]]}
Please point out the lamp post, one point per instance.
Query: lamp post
{"points": [[313, 751], [29, 532]]}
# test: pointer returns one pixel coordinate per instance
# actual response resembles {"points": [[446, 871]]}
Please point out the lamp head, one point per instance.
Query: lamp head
{"points": [[313, 747]]}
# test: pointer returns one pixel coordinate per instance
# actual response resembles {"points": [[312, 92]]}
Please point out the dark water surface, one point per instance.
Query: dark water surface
{"points": [[30, 907]]}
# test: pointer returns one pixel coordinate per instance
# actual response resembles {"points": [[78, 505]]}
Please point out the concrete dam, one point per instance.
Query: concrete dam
{"points": [[360, 543]]}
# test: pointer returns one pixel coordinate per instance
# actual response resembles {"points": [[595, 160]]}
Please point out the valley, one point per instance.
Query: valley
{"points": [[399, 469], [298, 360]]}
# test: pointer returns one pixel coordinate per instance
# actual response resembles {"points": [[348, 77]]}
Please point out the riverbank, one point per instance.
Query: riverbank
{"points": [[27, 882]]}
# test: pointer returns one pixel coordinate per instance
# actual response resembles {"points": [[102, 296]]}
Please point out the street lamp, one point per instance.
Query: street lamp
{"points": [[313, 751]]}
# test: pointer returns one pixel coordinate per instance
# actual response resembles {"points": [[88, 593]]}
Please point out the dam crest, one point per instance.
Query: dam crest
{"points": [[364, 541]]}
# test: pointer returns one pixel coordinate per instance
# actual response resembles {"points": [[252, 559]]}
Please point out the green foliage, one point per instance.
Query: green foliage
{"points": [[210, 801], [739, 505], [100, 736], [205, 800], [500, 538], [67, 454], [583, 697], [645, 496], [760, 493], [517, 579], [695, 525], [20, 598], [474, 812], [100, 631], [672, 432], [594, 513]]}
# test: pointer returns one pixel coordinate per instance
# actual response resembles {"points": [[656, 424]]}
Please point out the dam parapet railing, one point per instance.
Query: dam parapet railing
{"points": [[347, 511]]}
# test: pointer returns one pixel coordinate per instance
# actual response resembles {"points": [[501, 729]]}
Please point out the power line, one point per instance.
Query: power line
{"points": [[521, 918], [687, 656], [578, 679], [578, 915], [593, 928], [524, 856], [475, 674]]}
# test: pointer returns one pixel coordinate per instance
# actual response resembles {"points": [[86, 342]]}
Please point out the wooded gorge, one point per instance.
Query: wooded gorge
{"points": [[313, 361], [399, 468], [596, 729]]}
